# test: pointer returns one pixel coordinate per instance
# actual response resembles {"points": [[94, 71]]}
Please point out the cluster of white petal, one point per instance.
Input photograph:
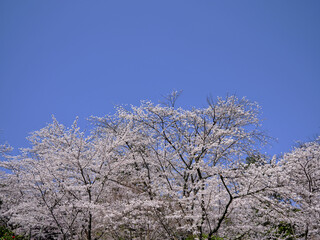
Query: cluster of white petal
{"points": [[302, 178], [159, 172]]}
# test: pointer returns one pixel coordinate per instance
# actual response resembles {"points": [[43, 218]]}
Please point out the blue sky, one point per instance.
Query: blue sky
{"points": [[80, 58]]}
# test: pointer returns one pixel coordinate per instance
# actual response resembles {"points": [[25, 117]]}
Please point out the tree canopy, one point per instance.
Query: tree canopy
{"points": [[161, 172]]}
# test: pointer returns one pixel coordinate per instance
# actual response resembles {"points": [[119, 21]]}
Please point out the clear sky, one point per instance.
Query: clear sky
{"points": [[80, 58]]}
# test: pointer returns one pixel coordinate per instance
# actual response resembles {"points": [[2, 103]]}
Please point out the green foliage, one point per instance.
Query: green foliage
{"points": [[6, 234], [285, 230], [296, 210], [251, 160], [217, 238], [204, 237], [191, 237]]}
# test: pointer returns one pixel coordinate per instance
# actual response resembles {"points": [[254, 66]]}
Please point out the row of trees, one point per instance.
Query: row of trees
{"points": [[161, 172]]}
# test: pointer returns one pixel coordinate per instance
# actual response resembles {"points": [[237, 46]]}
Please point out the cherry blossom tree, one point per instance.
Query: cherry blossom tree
{"points": [[188, 166], [60, 182], [4, 149], [302, 177], [156, 171]]}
